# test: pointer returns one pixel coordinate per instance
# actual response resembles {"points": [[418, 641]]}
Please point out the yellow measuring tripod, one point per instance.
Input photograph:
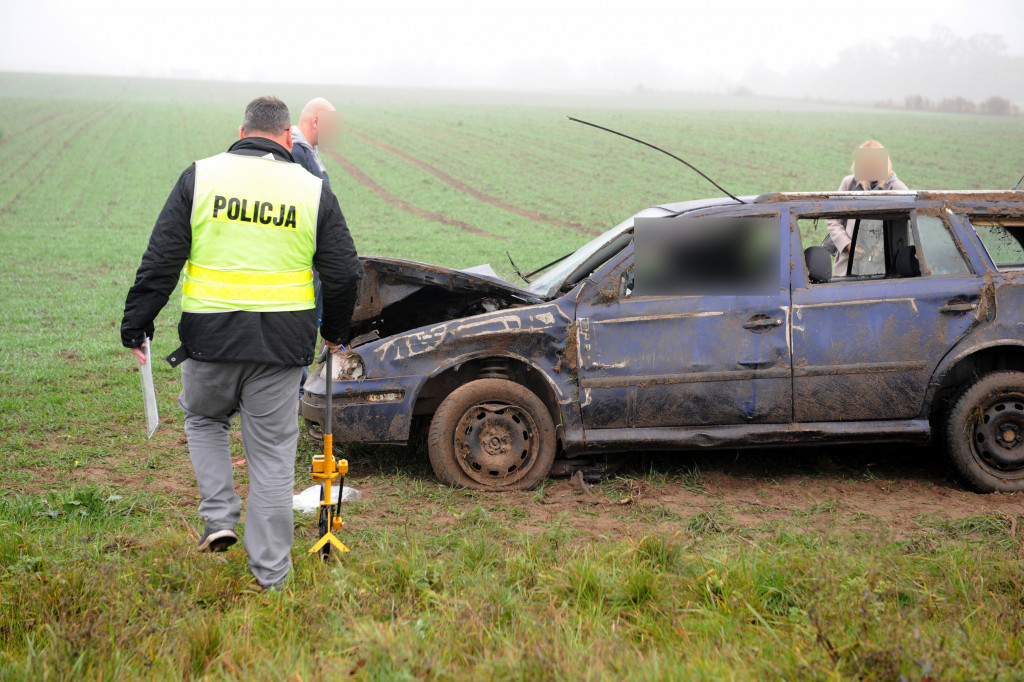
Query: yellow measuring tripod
{"points": [[326, 469]]}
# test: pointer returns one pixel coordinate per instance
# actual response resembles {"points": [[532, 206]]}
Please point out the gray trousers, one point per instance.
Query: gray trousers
{"points": [[211, 394]]}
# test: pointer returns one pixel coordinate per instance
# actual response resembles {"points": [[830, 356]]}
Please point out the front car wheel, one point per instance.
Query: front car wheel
{"points": [[492, 434]]}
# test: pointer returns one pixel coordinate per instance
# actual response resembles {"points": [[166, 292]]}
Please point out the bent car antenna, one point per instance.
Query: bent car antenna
{"points": [[554, 262], [648, 144], [516, 268]]}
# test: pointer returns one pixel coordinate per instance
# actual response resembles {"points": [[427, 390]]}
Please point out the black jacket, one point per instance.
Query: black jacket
{"points": [[281, 338], [304, 158]]}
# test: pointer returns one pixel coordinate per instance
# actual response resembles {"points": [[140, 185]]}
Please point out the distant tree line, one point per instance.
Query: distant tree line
{"points": [[949, 73], [993, 106]]}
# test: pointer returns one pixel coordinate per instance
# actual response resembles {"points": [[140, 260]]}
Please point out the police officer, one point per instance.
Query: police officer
{"points": [[246, 226]]}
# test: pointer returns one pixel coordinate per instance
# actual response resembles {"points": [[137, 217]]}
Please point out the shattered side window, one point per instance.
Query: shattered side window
{"points": [[940, 251], [882, 246], [868, 249], [1003, 238]]}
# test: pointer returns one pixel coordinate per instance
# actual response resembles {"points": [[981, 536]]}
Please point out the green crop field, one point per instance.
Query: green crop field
{"points": [[820, 564]]}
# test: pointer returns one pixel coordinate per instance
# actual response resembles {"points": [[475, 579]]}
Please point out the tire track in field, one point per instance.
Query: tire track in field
{"points": [[102, 162], [28, 129], [367, 182], [54, 157], [84, 123], [473, 192]]}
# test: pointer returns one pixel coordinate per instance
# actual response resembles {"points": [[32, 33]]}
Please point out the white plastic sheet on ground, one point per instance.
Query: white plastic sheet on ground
{"points": [[149, 393], [309, 499]]}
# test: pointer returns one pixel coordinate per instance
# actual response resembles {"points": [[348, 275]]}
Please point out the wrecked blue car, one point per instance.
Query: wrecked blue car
{"points": [[706, 324]]}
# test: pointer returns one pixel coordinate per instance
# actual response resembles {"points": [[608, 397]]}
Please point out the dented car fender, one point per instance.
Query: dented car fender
{"points": [[535, 336], [999, 313]]}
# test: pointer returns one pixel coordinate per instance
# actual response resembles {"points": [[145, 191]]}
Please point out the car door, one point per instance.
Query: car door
{"points": [[719, 356], [865, 348]]}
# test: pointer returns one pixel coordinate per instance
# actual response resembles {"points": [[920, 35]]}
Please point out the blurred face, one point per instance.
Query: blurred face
{"points": [[325, 125], [871, 165]]}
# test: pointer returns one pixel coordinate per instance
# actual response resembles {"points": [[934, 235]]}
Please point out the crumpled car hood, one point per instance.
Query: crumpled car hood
{"points": [[398, 295]]}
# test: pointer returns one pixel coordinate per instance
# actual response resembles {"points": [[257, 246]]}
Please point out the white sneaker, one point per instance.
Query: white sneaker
{"points": [[217, 540]]}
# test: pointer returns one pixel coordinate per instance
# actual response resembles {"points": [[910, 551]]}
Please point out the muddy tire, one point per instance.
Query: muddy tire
{"points": [[984, 433], [492, 434]]}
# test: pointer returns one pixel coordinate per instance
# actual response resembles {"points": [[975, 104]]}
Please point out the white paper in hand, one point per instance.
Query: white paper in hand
{"points": [[149, 393]]}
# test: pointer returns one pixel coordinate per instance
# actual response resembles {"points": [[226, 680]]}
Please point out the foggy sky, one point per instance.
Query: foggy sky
{"points": [[800, 48]]}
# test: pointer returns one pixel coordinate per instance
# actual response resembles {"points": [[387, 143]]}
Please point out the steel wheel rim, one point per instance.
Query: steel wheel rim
{"points": [[997, 433], [496, 443]]}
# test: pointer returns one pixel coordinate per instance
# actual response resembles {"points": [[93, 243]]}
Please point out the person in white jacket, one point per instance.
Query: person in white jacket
{"points": [[840, 231]]}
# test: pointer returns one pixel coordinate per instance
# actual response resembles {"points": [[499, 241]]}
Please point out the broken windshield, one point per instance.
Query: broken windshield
{"points": [[549, 283]]}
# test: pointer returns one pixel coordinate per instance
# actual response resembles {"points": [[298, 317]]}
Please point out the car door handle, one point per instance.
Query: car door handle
{"points": [[958, 307], [762, 321]]}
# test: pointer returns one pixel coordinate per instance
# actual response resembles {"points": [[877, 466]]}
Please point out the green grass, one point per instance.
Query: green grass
{"points": [[107, 588], [98, 576]]}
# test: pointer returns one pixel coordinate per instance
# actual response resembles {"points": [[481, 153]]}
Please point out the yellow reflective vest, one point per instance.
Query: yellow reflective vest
{"points": [[253, 236]]}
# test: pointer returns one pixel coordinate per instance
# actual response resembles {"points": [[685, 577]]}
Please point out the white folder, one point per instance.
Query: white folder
{"points": [[149, 393]]}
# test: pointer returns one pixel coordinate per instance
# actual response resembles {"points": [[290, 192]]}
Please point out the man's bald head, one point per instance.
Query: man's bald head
{"points": [[317, 120], [314, 107]]}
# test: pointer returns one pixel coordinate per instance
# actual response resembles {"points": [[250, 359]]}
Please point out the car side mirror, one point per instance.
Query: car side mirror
{"points": [[819, 264]]}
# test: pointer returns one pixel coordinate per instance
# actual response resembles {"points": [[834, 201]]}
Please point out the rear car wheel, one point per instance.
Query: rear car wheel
{"points": [[984, 433], [492, 434]]}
